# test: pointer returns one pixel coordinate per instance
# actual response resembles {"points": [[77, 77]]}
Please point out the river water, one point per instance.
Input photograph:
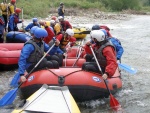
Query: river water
{"points": [[134, 34]]}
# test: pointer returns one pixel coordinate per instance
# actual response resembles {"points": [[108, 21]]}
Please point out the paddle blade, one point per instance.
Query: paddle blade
{"points": [[127, 68], [8, 98], [14, 82], [114, 104]]}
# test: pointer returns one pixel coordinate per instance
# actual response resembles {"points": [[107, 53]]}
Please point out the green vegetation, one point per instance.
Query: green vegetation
{"points": [[41, 8]]}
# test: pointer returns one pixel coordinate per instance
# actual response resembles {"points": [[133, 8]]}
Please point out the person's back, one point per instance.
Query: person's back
{"points": [[61, 10]]}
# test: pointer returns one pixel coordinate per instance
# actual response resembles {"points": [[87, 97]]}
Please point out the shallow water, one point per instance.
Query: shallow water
{"points": [[134, 97]]}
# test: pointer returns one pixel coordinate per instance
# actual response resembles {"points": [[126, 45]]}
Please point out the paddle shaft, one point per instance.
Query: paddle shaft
{"points": [[22, 20], [78, 55], [99, 68], [77, 58], [37, 63]]}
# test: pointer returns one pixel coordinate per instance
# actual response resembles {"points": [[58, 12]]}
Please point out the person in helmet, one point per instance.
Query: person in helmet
{"points": [[54, 18], [33, 51], [105, 54], [61, 10], [64, 23], [34, 23], [33, 29], [117, 44], [65, 39], [11, 7], [14, 20]]}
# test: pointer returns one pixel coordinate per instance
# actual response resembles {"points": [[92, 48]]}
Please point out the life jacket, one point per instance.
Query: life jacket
{"points": [[11, 9], [99, 53], [4, 8], [16, 19], [38, 52], [63, 42]]}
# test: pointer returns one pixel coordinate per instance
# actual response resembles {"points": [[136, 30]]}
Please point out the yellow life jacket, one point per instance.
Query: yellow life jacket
{"points": [[4, 9], [11, 8], [63, 42], [57, 28]]}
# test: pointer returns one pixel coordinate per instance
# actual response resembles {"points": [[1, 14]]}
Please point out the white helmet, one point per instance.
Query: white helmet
{"points": [[70, 32], [98, 34], [60, 17], [52, 21]]}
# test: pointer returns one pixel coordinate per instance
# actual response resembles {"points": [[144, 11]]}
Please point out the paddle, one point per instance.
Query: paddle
{"points": [[77, 58], [83, 32], [114, 104], [16, 78], [9, 97], [127, 68], [22, 20]]}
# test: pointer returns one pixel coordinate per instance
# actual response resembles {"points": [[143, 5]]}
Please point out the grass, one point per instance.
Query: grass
{"points": [[43, 8]]}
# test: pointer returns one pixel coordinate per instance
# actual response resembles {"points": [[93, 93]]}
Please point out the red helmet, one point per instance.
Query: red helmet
{"points": [[17, 10], [13, 1], [53, 18]]}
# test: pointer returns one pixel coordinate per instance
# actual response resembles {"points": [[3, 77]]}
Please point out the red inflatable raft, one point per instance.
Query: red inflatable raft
{"points": [[83, 85], [9, 54]]}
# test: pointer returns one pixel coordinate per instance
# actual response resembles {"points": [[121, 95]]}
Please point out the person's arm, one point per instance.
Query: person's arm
{"points": [[59, 37], [11, 23], [25, 53], [110, 56], [29, 26], [50, 35], [73, 41], [53, 50], [59, 51]]}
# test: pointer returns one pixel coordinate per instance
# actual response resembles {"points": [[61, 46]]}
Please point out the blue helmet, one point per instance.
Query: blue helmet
{"points": [[40, 33], [33, 29], [34, 19], [95, 27], [104, 31]]}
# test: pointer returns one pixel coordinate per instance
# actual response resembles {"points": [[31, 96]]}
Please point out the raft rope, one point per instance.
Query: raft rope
{"points": [[78, 71], [65, 75]]}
